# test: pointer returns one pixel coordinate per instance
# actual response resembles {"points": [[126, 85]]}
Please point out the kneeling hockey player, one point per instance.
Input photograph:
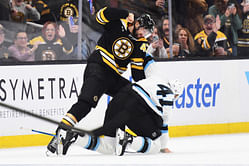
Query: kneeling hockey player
{"points": [[136, 119]]}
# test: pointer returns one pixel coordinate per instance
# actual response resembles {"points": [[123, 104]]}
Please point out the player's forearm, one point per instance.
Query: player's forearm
{"points": [[111, 14]]}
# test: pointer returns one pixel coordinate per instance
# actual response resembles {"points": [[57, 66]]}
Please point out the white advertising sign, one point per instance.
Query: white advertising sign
{"points": [[215, 92]]}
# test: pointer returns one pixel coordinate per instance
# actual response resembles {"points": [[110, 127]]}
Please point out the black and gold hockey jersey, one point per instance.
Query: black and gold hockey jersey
{"points": [[243, 36], [207, 43], [51, 50], [69, 8], [116, 47], [58, 10]]}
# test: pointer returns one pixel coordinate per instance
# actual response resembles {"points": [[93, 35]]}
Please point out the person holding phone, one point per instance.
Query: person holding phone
{"points": [[229, 13], [184, 43], [156, 47]]}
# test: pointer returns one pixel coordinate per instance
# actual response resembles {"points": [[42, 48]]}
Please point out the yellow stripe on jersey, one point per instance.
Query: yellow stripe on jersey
{"points": [[66, 122], [47, 11], [122, 68], [67, 51], [37, 39], [243, 42], [72, 117], [110, 64], [130, 132], [241, 39], [243, 45], [125, 23], [137, 60], [109, 59], [142, 39], [105, 51], [205, 44], [100, 17], [41, 2], [137, 67], [202, 36], [137, 63]]}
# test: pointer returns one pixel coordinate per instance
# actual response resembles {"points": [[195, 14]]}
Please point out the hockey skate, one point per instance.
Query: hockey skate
{"points": [[65, 140], [122, 140], [53, 144], [61, 142]]}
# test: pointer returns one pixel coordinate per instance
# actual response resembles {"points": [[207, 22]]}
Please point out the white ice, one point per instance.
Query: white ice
{"points": [[230, 149]]}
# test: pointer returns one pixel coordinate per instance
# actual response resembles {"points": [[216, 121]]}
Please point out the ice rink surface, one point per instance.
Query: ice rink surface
{"points": [[215, 150]]}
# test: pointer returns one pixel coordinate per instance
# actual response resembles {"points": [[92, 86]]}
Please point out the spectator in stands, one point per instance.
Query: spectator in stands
{"points": [[44, 7], [189, 14], [3, 47], [243, 33], [60, 11], [22, 11], [211, 41], [4, 10], [52, 44], [228, 12], [166, 35], [20, 50], [162, 7], [71, 28], [185, 42], [156, 48], [165, 27]]}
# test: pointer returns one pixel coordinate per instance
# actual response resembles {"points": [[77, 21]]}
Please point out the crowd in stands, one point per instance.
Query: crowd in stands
{"points": [[42, 30]]}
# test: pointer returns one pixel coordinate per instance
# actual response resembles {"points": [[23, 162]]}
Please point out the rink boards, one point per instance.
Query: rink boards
{"points": [[214, 100]]}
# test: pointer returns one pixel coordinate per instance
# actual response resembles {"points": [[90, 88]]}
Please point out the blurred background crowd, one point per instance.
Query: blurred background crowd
{"points": [[48, 30]]}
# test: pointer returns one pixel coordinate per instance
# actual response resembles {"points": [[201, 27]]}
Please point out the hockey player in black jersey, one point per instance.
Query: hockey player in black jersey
{"points": [[115, 50], [140, 112]]}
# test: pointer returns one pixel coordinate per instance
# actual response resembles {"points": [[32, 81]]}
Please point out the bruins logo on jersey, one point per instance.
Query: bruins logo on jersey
{"points": [[122, 48], [48, 55], [67, 10], [245, 25]]}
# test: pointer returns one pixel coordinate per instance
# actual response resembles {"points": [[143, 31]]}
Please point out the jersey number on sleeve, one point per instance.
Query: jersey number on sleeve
{"points": [[162, 93], [144, 47]]}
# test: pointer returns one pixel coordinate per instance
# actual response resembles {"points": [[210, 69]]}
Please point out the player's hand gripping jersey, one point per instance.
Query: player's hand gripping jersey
{"points": [[117, 48]]}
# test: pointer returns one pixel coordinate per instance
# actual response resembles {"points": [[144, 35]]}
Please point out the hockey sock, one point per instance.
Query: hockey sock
{"points": [[102, 144], [88, 142], [69, 120], [145, 145], [138, 144]]}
